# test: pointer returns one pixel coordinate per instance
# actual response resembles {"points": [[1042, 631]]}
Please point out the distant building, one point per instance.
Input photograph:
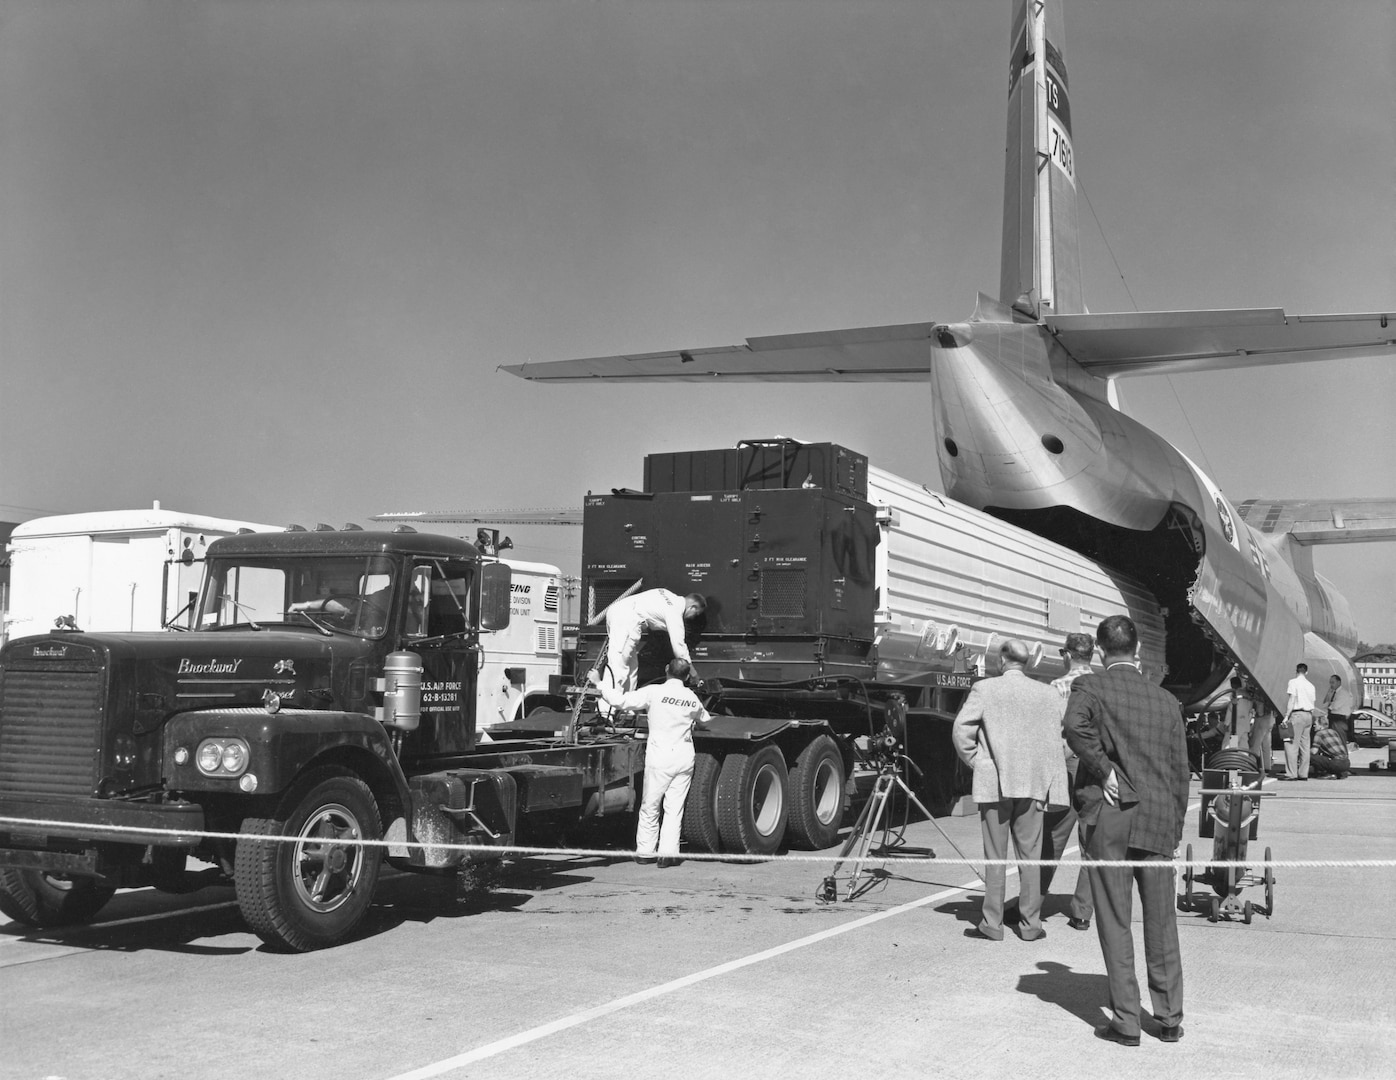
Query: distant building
{"points": [[1378, 672]]}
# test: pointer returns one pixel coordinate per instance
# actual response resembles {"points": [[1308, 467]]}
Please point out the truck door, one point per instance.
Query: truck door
{"points": [[440, 626]]}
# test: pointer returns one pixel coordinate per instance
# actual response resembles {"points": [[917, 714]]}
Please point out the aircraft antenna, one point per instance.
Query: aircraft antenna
{"points": [[1202, 450], [1081, 187]]}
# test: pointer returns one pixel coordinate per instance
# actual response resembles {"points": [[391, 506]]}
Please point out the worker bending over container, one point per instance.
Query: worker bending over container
{"points": [[629, 616]]}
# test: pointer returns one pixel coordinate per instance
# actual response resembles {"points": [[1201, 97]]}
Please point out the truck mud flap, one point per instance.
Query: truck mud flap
{"points": [[462, 806]]}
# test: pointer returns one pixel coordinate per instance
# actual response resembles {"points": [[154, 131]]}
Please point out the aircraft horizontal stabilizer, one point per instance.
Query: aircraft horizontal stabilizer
{"points": [[1322, 521], [868, 354], [1165, 342]]}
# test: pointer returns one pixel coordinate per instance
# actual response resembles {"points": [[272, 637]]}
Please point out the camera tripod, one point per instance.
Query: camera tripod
{"points": [[873, 820]]}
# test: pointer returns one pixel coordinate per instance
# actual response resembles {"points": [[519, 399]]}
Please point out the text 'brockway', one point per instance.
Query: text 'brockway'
{"points": [[208, 667]]}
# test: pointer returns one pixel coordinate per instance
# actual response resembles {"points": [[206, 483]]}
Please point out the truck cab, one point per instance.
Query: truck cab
{"points": [[368, 596], [327, 691]]}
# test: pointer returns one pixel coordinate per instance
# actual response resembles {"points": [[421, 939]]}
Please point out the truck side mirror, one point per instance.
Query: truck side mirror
{"points": [[496, 582]]}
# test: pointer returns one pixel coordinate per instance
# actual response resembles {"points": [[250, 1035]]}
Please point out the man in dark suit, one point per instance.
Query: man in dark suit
{"points": [[1132, 794]]}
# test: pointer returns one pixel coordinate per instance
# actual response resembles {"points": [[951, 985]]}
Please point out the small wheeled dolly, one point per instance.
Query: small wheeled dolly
{"points": [[1230, 815]]}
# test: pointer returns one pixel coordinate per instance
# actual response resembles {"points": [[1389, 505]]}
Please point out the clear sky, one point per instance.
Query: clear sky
{"points": [[261, 260]]}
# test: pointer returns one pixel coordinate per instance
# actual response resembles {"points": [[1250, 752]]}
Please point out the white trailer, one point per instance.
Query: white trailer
{"points": [[110, 569]]}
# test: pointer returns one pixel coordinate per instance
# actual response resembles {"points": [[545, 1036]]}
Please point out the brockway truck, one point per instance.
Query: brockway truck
{"points": [[327, 693]]}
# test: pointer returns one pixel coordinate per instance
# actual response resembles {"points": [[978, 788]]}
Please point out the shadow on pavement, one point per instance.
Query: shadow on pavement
{"points": [[1083, 996], [966, 911], [144, 919]]}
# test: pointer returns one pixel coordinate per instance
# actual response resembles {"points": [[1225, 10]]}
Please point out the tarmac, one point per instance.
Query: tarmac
{"points": [[576, 966]]}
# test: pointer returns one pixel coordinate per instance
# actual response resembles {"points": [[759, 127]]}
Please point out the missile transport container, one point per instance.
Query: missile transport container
{"points": [[843, 601]]}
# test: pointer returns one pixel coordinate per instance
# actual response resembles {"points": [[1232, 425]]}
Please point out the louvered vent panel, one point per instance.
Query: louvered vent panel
{"points": [[783, 594], [550, 598], [601, 594], [547, 639], [48, 737]]}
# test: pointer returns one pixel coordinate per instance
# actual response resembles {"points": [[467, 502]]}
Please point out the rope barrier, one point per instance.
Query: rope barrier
{"points": [[884, 854]]}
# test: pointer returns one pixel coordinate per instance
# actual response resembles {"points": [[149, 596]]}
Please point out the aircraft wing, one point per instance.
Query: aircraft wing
{"points": [[558, 516], [1322, 521], [1163, 342], [868, 354]]}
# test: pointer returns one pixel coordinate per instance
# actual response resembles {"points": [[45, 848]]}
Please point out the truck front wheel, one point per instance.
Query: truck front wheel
{"points": [[310, 892], [35, 898], [816, 795], [751, 801]]}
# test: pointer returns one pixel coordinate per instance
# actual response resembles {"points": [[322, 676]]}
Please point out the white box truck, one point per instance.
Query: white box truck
{"points": [[109, 569]]}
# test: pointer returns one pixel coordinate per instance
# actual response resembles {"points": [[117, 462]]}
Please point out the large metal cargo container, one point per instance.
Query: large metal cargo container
{"points": [[808, 580]]}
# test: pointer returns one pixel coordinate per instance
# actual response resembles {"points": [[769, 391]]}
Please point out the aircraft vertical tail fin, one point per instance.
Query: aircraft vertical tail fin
{"points": [[1041, 266]]}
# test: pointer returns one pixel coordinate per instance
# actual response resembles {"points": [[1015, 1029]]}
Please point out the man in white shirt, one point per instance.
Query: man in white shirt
{"points": [[629, 617], [673, 710], [1338, 705], [1299, 711]]}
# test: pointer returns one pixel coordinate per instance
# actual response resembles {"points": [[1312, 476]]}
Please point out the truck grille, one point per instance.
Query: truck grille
{"points": [[49, 725]]}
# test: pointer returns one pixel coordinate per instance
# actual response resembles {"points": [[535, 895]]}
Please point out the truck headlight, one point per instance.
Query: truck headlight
{"points": [[234, 758], [209, 756], [222, 757]]}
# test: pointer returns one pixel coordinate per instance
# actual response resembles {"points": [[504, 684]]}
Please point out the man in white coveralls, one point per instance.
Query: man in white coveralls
{"points": [[673, 709]]}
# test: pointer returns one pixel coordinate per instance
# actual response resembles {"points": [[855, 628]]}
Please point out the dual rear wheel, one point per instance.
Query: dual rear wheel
{"points": [[749, 802]]}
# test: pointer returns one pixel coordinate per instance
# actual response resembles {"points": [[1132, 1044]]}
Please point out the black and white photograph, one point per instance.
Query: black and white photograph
{"points": [[697, 538]]}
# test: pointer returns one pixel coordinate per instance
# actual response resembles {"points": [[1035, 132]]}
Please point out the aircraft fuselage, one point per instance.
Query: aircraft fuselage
{"points": [[1024, 433]]}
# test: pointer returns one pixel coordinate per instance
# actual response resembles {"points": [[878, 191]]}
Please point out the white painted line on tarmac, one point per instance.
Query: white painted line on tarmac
{"points": [[544, 1030]]}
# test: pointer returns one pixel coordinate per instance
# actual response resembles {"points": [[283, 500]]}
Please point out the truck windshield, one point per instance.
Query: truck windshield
{"points": [[348, 594]]}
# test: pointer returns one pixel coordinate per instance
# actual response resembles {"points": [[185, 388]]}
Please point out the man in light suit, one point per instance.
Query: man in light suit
{"points": [[1132, 792], [1009, 732]]}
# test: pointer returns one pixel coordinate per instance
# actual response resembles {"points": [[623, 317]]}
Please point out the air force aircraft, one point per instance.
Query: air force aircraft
{"points": [[1028, 426]]}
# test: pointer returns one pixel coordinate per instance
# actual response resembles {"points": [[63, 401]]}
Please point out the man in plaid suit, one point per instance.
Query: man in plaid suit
{"points": [[1133, 796]]}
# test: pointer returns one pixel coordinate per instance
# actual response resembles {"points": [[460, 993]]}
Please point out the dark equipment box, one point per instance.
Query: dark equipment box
{"points": [[786, 563], [760, 464]]}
